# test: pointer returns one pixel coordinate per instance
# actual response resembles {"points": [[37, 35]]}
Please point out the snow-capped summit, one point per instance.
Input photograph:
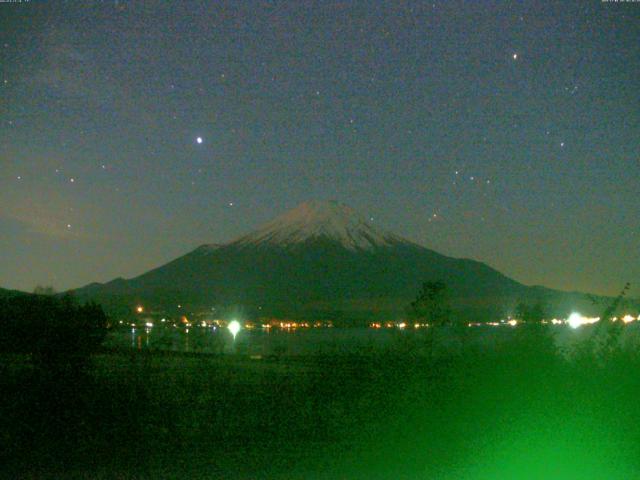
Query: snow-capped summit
{"points": [[321, 220]]}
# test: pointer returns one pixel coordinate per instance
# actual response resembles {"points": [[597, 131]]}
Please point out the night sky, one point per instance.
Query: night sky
{"points": [[508, 133]]}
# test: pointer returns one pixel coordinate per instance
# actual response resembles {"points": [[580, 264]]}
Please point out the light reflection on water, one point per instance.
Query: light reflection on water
{"points": [[219, 340], [319, 341]]}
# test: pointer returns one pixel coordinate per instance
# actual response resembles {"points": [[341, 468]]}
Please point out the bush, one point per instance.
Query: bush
{"points": [[54, 331]]}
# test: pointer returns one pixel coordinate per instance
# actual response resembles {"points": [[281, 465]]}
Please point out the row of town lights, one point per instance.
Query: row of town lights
{"points": [[234, 326], [574, 320]]}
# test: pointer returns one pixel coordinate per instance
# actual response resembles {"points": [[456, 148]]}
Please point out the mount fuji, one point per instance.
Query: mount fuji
{"points": [[319, 260]]}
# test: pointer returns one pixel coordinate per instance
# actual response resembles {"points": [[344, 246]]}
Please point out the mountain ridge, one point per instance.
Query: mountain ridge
{"points": [[317, 260]]}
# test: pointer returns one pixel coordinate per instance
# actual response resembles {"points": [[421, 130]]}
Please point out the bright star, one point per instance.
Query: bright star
{"points": [[515, 56], [199, 140]]}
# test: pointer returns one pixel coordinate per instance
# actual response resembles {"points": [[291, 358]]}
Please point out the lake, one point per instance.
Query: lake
{"points": [[327, 341]]}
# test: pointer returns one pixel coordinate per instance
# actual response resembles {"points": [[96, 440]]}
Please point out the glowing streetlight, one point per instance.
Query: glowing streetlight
{"points": [[234, 327], [139, 309], [575, 320]]}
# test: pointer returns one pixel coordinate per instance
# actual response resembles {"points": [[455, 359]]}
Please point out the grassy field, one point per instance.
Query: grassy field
{"points": [[519, 411]]}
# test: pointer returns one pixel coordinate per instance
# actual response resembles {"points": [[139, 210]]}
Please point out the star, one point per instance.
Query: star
{"points": [[72, 180], [199, 140], [515, 56], [561, 144]]}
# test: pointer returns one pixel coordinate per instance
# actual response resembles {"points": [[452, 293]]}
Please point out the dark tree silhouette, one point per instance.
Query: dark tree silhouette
{"points": [[530, 313], [56, 332], [44, 290], [431, 305]]}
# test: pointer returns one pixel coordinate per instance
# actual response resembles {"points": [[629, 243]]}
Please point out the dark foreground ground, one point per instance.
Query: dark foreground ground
{"points": [[521, 410]]}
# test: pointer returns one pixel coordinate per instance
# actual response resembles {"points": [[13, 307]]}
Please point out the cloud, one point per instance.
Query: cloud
{"points": [[44, 213]]}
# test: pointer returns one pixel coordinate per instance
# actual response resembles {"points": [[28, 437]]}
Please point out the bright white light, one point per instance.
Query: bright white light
{"points": [[148, 324], [628, 319], [199, 140], [512, 322], [234, 327], [574, 320]]}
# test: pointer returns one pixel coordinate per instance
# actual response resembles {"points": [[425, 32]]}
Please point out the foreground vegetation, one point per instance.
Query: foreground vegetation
{"points": [[520, 410]]}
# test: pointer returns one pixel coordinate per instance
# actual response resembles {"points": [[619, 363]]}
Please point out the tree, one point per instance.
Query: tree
{"points": [[57, 332], [431, 305], [44, 290], [530, 313]]}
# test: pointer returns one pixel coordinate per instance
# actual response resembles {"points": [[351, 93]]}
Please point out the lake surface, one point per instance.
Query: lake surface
{"points": [[313, 341]]}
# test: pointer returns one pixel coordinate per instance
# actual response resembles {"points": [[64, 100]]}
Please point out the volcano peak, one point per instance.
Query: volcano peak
{"points": [[321, 220]]}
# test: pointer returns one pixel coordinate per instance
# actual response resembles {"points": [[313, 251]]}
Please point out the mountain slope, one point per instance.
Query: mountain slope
{"points": [[321, 220], [4, 293], [320, 259]]}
